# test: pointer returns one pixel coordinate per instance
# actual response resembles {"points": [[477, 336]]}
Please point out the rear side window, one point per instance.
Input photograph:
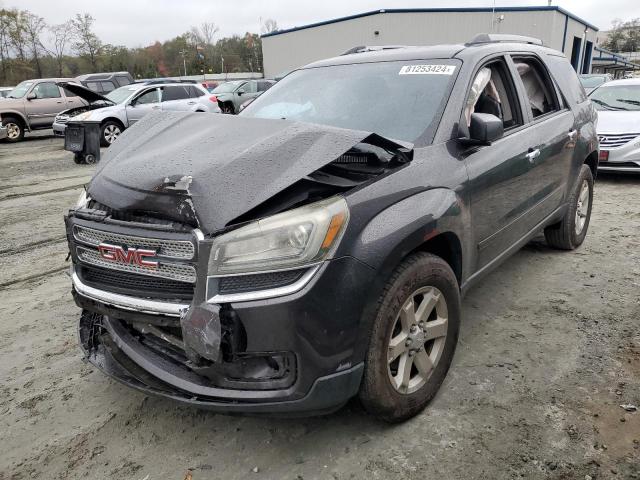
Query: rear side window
{"points": [[93, 86], [69, 93], [195, 92], [107, 87], [122, 80], [175, 93], [564, 74], [538, 86], [263, 86]]}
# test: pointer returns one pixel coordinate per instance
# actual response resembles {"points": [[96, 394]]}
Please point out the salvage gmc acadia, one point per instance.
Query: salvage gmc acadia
{"points": [[316, 246]]}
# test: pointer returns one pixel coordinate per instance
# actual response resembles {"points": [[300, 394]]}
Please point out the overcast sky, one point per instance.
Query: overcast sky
{"points": [[141, 22]]}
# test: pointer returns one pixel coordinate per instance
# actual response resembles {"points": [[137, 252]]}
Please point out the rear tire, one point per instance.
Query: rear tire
{"points": [[413, 339], [570, 232], [15, 129], [109, 132]]}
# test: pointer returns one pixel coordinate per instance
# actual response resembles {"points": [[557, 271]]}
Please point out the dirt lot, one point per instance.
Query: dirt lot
{"points": [[549, 350]]}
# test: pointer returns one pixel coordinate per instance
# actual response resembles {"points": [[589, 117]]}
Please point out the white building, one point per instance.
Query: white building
{"points": [[285, 50]]}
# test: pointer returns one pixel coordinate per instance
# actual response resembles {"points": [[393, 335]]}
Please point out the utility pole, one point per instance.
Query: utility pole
{"points": [[184, 60]]}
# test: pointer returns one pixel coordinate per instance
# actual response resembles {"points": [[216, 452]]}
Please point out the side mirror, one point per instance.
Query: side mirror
{"points": [[31, 96], [484, 129]]}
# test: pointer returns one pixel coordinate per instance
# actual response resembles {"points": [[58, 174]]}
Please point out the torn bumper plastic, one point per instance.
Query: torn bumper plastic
{"points": [[113, 351]]}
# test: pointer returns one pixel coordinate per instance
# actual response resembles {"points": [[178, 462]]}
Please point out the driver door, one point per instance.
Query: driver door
{"points": [[498, 172], [146, 102]]}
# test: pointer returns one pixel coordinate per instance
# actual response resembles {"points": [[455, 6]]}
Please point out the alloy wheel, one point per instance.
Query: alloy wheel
{"points": [[582, 209], [111, 132], [13, 130], [417, 339]]}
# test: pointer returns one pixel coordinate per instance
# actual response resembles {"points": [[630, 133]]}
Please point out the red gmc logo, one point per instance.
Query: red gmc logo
{"points": [[130, 256]]}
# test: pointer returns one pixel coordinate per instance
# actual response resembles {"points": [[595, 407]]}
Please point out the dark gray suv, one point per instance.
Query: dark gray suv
{"points": [[316, 247]]}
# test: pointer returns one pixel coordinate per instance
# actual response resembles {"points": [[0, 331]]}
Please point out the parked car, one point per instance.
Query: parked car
{"points": [[230, 95], [4, 91], [316, 246], [618, 105], [210, 85], [592, 81], [105, 82], [121, 108], [33, 105]]}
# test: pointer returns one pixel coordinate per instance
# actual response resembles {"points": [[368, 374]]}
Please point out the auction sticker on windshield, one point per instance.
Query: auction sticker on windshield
{"points": [[427, 70]]}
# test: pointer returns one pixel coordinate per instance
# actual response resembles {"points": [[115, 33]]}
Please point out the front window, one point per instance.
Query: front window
{"points": [[20, 90], [47, 90], [120, 95], [617, 97], [592, 82], [399, 100]]}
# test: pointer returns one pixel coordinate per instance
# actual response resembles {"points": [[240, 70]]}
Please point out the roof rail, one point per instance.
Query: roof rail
{"points": [[500, 37], [371, 48]]}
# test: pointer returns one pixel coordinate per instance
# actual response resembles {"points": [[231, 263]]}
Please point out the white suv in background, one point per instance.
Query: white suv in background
{"points": [[124, 106]]}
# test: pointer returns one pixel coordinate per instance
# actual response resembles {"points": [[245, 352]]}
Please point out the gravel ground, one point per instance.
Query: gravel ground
{"points": [[549, 350]]}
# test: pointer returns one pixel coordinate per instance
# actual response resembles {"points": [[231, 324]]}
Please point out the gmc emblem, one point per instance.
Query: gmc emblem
{"points": [[130, 256]]}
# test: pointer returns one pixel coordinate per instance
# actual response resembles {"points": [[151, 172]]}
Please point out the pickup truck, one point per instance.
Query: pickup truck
{"points": [[33, 105], [317, 246]]}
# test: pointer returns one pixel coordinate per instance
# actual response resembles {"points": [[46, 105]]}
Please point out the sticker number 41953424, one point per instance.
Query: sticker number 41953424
{"points": [[427, 70]]}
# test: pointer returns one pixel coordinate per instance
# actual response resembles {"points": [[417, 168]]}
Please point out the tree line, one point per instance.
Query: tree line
{"points": [[31, 48], [623, 36]]}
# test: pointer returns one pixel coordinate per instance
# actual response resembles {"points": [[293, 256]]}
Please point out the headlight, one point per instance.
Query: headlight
{"points": [[82, 116], [292, 239], [83, 200]]}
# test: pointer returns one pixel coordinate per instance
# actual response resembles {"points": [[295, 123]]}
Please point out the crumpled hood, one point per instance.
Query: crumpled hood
{"points": [[618, 121], [210, 169]]}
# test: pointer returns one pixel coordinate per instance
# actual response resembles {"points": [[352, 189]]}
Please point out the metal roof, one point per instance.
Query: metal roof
{"points": [[437, 10]]}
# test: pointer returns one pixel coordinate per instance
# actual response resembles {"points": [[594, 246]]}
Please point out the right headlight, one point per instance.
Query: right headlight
{"points": [[83, 116], [297, 238]]}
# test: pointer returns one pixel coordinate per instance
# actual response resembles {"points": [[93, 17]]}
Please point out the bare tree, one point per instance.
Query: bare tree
{"points": [[59, 38], [87, 44], [268, 26], [208, 31], [33, 26]]}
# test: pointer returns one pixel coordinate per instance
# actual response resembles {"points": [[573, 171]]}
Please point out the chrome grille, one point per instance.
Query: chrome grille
{"points": [[174, 271], [179, 249], [616, 140]]}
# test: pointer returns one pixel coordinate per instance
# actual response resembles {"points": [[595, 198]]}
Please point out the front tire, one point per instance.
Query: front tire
{"points": [[109, 133], [15, 129], [570, 232], [413, 339]]}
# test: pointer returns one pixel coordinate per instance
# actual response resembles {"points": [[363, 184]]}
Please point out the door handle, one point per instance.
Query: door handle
{"points": [[191, 103], [572, 134], [155, 108], [59, 101], [533, 154]]}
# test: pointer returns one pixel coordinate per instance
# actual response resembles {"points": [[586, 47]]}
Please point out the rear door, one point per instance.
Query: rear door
{"points": [[145, 102], [176, 98], [47, 103], [551, 136]]}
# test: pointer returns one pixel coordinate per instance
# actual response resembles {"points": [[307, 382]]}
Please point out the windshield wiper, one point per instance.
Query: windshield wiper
{"points": [[630, 102], [605, 105]]}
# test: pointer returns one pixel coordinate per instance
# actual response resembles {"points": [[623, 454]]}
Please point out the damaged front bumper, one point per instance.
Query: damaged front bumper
{"points": [[109, 347], [298, 352]]}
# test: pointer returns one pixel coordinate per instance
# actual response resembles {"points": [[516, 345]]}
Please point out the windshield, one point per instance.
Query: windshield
{"points": [[592, 82], [398, 100], [617, 97], [119, 95], [226, 87], [20, 90]]}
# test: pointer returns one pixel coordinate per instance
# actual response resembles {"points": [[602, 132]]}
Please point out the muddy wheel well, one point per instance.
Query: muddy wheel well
{"points": [[15, 116], [446, 246], [592, 162]]}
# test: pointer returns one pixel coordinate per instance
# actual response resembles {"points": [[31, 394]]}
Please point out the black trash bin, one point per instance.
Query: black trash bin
{"points": [[83, 139]]}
